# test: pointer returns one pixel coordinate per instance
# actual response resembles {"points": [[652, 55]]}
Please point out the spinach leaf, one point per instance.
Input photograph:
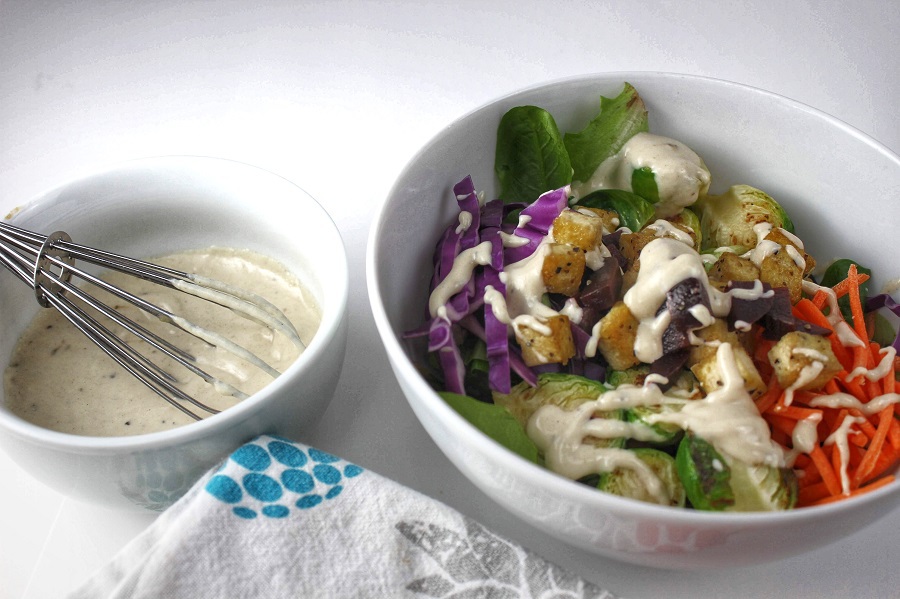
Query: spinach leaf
{"points": [[495, 422], [633, 210], [530, 158], [619, 119], [643, 183]]}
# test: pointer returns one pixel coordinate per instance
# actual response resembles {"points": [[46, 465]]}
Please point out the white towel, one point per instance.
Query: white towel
{"points": [[281, 519]]}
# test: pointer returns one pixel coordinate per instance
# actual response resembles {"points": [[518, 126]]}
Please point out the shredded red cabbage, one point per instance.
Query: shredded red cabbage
{"points": [[535, 221], [496, 333]]}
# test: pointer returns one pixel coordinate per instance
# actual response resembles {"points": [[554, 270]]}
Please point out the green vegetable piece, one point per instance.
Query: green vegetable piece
{"points": [[762, 488], [884, 333], [495, 422], [627, 482], [688, 218], [715, 483], [837, 272], [568, 391], [704, 474], [666, 432], [643, 183], [728, 219], [619, 119], [633, 210], [530, 158]]}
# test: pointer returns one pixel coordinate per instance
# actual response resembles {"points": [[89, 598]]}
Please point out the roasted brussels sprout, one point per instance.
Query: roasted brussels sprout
{"points": [[728, 219]]}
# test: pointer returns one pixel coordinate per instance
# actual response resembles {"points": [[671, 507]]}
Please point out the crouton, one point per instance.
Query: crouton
{"points": [[731, 267], [617, 333], [710, 377], [702, 359], [787, 266], [538, 347], [803, 361], [609, 218], [581, 230], [563, 269]]}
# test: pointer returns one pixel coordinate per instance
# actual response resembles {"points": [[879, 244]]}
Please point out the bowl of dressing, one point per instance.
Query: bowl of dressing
{"points": [[80, 423], [810, 162]]}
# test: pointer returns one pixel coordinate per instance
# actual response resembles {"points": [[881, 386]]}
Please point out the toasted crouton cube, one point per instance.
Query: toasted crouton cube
{"points": [[711, 336], [609, 218], [617, 334], [779, 269], [581, 230], [779, 237], [563, 269], [731, 267], [538, 347], [803, 361], [710, 377], [631, 244]]}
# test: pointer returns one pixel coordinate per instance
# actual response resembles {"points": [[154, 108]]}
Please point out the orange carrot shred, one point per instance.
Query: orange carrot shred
{"points": [[823, 465], [865, 468], [860, 491]]}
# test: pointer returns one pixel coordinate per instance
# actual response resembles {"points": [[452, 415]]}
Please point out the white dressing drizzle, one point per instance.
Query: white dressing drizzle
{"points": [[678, 171], [840, 438], [665, 262], [459, 275], [727, 418]]}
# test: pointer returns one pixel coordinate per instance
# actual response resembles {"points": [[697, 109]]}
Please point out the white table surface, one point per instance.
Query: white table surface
{"points": [[338, 96]]}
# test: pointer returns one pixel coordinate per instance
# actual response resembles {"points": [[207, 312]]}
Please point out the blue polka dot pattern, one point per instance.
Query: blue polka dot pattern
{"points": [[271, 475]]}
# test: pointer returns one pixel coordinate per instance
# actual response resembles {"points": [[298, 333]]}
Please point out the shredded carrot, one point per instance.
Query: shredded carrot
{"points": [[854, 280], [872, 452], [772, 394], [820, 299], [865, 468], [823, 465], [855, 493]]}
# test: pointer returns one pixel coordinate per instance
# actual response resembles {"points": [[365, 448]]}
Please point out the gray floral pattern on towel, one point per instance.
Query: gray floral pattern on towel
{"points": [[479, 564]]}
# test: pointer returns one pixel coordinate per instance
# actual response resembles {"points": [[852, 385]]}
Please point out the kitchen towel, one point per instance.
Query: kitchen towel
{"points": [[281, 519]]}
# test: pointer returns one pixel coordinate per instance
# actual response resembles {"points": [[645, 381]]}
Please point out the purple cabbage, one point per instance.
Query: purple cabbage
{"points": [[496, 333], [540, 216]]}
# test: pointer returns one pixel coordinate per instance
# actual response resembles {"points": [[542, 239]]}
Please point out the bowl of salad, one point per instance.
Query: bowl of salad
{"points": [[652, 315]]}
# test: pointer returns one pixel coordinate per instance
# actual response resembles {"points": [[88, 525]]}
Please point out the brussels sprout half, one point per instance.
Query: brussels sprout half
{"points": [[728, 219], [715, 483], [626, 482]]}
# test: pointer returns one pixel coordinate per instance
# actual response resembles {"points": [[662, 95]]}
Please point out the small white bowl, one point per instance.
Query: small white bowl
{"points": [[840, 188], [155, 206]]}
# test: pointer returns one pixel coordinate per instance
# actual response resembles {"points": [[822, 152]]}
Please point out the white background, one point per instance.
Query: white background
{"points": [[338, 96]]}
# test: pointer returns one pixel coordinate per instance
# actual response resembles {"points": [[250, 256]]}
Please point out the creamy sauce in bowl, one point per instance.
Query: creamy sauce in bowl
{"points": [[58, 379]]}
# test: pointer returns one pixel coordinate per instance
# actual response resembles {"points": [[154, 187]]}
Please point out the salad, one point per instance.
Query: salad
{"points": [[611, 319]]}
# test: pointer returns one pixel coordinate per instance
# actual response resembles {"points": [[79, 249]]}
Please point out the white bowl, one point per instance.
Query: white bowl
{"points": [[840, 188], [154, 206]]}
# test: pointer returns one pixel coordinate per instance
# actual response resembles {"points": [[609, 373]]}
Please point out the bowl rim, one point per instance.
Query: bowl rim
{"points": [[521, 468], [333, 314]]}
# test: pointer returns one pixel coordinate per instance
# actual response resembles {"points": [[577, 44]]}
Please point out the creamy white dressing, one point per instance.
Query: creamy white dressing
{"points": [[844, 332], [665, 262], [845, 400], [727, 418], [524, 282], [880, 371], [804, 438], [665, 228], [460, 273], [59, 380], [840, 437], [680, 175]]}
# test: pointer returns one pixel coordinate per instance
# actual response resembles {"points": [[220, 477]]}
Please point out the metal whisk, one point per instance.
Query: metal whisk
{"points": [[48, 262]]}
